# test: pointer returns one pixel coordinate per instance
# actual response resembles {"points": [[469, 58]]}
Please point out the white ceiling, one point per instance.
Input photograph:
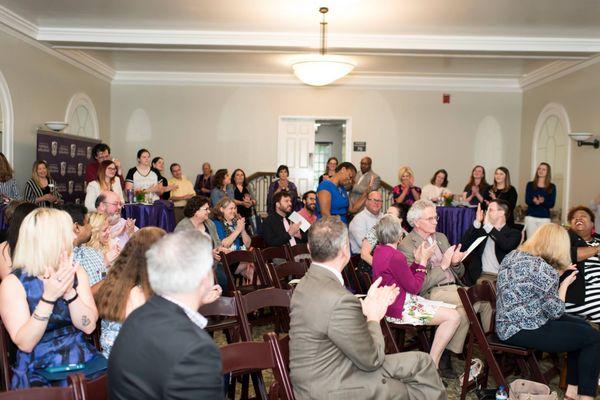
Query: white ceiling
{"points": [[507, 39]]}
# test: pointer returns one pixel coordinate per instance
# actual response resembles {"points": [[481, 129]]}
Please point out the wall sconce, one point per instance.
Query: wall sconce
{"points": [[582, 139]]}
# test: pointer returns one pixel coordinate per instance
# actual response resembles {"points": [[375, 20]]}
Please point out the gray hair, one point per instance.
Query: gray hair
{"points": [[417, 209], [326, 238], [178, 261], [388, 230]]}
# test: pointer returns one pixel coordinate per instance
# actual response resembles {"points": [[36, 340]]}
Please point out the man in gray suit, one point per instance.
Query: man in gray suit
{"points": [[367, 182], [444, 273], [337, 347]]}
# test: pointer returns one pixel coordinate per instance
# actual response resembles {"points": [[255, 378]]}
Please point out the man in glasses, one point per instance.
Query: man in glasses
{"points": [[365, 220], [444, 272], [121, 229]]}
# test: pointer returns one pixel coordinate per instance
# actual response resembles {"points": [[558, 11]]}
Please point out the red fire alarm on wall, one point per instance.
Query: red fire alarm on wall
{"points": [[446, 98]]}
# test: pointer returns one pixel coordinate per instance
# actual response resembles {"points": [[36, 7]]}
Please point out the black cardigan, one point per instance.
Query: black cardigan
{"points": [[576, 290], [506, 239]]}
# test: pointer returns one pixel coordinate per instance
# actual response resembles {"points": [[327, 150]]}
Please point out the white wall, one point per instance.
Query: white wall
{"points": [[41, 86], [237, 126], [579, 94]]}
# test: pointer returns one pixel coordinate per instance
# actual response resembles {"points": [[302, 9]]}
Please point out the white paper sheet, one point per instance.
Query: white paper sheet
{"points": [[474, 245], [295, 218]]}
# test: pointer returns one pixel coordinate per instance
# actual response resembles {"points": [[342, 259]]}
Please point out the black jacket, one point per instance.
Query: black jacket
{"points": [[274, 232], [161, 354], [506, 240]]}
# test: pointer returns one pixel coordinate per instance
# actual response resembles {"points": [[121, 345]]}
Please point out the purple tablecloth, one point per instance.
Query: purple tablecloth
{"points": [[158, 214], [454, 221]]}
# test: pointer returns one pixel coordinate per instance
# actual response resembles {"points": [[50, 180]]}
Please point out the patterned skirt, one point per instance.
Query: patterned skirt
{"points": [[418, 310]]}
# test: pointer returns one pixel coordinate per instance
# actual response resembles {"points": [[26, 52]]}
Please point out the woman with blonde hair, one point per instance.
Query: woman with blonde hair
{"points": [[41, 188], [406, 193], [8, 184], [100, 239], [126, 286], [530, 308], [46, 303], [107, 180]]}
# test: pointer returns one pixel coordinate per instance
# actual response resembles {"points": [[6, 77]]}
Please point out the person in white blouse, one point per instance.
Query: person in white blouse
{"points": [[437, 186], [107, 180]]}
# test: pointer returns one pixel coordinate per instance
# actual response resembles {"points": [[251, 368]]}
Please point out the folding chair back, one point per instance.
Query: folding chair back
{"points": [[94, 389], [301, 251], [224, 315], [280, 348], [268, 256], [278, 300], [280, 273], [244, 357], [231, 260], [71, 392], [489, 344]]}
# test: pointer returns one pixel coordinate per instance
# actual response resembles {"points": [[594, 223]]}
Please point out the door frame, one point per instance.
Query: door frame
{"points": [[348, 130], [7, 119]]}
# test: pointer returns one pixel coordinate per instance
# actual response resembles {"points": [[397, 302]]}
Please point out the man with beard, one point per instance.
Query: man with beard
{"points": [[310, 203], [121, 229], [367, 182], [277, 230]]}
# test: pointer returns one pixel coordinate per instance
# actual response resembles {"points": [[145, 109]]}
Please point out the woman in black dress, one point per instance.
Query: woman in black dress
{"points": [[503, 190]]}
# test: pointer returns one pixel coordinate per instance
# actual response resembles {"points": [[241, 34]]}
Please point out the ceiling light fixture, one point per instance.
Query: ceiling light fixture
{"points": [[322, 69]]}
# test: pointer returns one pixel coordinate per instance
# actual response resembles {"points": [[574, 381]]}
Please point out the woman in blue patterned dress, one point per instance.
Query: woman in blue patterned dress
{"points": [[126, 287], [531, 308], [46, 303]]}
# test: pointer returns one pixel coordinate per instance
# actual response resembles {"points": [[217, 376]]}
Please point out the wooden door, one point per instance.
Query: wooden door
{"points": [[296, 145]]}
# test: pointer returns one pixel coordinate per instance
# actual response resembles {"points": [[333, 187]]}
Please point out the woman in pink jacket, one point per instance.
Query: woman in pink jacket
{"points": [[409, 308]]}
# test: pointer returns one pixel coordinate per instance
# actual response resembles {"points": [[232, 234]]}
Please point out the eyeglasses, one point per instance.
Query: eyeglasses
{"points": [[432, 219], [376, 200], [204, 208], [111, 169]]}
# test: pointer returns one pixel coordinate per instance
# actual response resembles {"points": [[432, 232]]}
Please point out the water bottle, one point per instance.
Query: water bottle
{"points": [[501, 394]]}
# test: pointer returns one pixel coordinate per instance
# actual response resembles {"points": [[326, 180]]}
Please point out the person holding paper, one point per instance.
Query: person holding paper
{"points": [[410, 308], [483, 262], [277, 229]]}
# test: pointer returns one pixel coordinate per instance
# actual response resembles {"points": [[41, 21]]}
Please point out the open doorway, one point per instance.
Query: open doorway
{"points": [[305, 144], [330, 138]]}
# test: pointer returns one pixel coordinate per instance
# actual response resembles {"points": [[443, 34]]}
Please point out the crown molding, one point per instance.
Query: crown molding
{"points": [[18, 23], [553, 71], [335, 41], [26, 31], [91, 62], [418, 83]]}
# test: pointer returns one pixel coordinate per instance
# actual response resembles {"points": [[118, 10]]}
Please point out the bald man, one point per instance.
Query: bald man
{"points": [[367, 181]]}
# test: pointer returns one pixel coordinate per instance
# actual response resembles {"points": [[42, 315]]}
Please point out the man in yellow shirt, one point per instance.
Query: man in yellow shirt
{"points": [[184, 190]]}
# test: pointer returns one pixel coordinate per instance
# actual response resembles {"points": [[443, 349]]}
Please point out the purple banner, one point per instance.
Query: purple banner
{"points": [[67, 157]]}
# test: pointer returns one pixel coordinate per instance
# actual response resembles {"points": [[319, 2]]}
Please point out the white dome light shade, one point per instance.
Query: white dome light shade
{"points": [[322, 70]]}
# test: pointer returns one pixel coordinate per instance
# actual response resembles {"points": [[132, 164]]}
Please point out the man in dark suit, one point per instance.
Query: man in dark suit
{"points": [[277, 229], [162, 351], [483, 263], [337, 349]]}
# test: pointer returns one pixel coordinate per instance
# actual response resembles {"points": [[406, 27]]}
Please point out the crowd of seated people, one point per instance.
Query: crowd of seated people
{"points": [[67, 268]]}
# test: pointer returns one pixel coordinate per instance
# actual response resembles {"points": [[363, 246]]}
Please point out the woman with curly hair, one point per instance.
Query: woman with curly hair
{"points": [[126, 287], [100, 239]]}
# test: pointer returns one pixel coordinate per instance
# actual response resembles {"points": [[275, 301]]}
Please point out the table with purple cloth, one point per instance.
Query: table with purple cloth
{"points": [[454, 221], [158, 214]]}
